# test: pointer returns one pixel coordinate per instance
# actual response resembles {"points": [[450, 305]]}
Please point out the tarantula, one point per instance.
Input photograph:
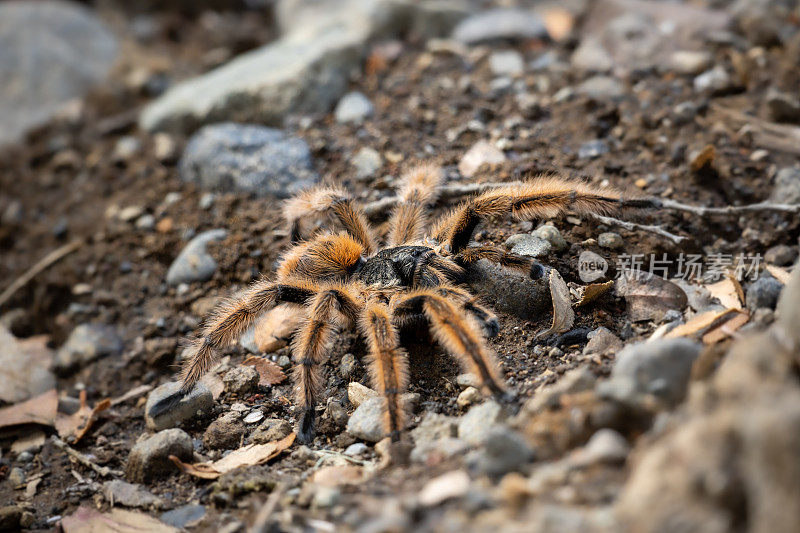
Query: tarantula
{"points": [[346, 279]]}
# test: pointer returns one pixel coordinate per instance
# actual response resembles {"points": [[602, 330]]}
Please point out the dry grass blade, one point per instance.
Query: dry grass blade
{"points": [[723, 331], [701, 323], [32, 272]]}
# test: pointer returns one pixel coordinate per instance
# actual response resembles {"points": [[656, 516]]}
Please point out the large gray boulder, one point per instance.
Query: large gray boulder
{"points": [[50, 53]]}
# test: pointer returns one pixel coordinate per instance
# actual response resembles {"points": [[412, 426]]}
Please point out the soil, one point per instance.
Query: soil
{"points": [[69, 185]]}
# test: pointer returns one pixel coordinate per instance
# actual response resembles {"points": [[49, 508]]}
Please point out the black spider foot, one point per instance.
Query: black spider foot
{"points": [[537, 270], [491, 327], [305, 430], [167, 404]]}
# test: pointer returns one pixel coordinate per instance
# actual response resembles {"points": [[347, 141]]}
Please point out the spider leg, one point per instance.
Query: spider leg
{"points": [[388, 364], [330, 308], [455, 332], [470, 304], [329, 199], [228, 322], [513, 261], [408, 220], [544, 197]]}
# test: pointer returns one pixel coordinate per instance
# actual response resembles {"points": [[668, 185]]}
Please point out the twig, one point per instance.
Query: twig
{"points": [[445, 192], [729, 209], [82, 459], [45, 262], [677, 239], [260, 523]]}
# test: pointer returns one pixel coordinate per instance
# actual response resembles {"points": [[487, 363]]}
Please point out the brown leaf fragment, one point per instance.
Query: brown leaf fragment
{"points": [[79, 423], [781, 274], [563, 315], [725, 330], [38, 410], [704, 158], [728, 291], [594, 291], [269, 373], [335, 476], [700, 323], [250, 455], [88, 520], [649, 297]]}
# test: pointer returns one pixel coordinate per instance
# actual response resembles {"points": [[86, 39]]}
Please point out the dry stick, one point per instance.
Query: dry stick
{"points": [[677, 239], [260, 523], [82, 459], [730, 209], [45, 262]]}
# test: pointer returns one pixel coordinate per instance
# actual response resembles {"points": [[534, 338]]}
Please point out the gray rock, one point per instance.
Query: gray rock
{"points": [[508, 291], [610, 240], [16, 476], [780, 255], [354, 450], [500, 24], [435, 439], [787, 186], [475, 425], [198, 401], [601, 88], [602, 340], [224, 433], [715, 81], [270, 430], [531, 246], [354, 107], [184, 516], [764, 22], [506, 63], [50, 53], [367, 162], [504, 451], [658, 368], [576, 380], [690, 62], [593, 149], [348, 365], [467, 379], [468, 396], [552, 235], [764, 292], [438, 18], [119, 492], [366, 422], [247, 158], [194, 263], [86, 343], [149, 458], [305, 71], [605, 446], [592, 56], [241, 380]]}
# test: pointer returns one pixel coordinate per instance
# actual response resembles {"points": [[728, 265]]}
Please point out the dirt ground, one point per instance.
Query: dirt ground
{"points": [[69, 185]]}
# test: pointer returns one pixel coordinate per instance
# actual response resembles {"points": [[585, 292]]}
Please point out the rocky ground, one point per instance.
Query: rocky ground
{"points": [[146, 153]]}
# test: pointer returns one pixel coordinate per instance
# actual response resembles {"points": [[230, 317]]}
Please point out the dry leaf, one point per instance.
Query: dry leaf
{"points": [[594, 291], [704, 158], [39, 410], [335, 476], [728, 291], [88, 520], [442, 488], [558, 22], [24, 367], [131, 394], [649, 297], [699, 323], [252, 454], [725, 330], [781, 274], [81, 422], [269, 373], [563, 315], [33, 439]]}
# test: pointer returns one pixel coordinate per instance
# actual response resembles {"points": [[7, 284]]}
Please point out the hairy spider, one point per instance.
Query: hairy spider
{"points": [[345, 279]]}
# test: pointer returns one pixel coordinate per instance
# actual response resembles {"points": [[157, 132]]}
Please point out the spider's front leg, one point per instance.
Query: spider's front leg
{"points": [[332, 307], [470, 255], [227, 323]]}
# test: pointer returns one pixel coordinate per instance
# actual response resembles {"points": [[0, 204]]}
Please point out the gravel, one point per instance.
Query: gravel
{"points": [[119, 492], [366, 422], [353, 108], [367, 162], [270, 430], [504, 451], [531, 246], [610, 240], [506, 63], [87, 343], [194, 263], [247, 158], [149, 458], [500, 24], [241, 380], [764, 292], [224, 433], [787, 186], [475, 425], [551, 235]]}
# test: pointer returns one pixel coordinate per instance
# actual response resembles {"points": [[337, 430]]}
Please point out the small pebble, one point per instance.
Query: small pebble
{"points": [[354, 450], [468, 396], [254, 417], [610, 240], [241, 380], [551, 234], [354, 107]]}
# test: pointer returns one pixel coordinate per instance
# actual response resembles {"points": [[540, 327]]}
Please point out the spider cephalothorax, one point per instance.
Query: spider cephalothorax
{"points": [[345, 280]]}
